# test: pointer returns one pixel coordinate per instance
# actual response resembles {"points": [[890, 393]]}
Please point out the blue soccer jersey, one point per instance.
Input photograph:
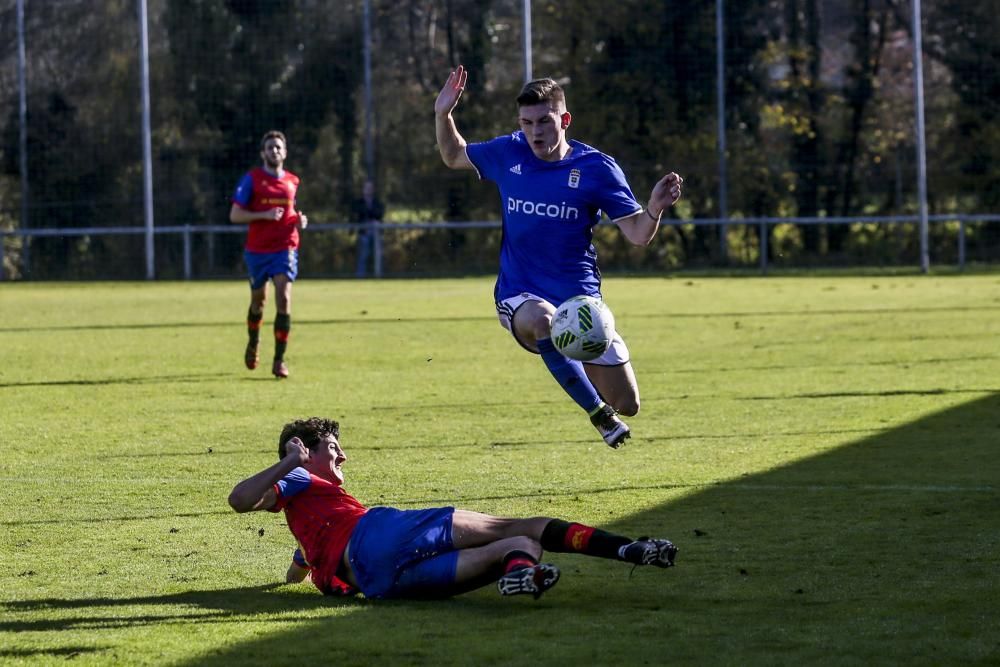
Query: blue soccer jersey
{"points": [[549, 212]]}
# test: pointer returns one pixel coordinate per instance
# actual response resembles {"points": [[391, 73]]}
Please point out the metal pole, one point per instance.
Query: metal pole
{"points": [[187, 252], [720, 95], [369, 112], [147, 143], [22, 114], [961, 245], [763, 248], [370, 131], [527, 40], [918, 84]]}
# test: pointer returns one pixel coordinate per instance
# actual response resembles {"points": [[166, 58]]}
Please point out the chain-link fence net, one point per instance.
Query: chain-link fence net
{"points": [[819, 109]]}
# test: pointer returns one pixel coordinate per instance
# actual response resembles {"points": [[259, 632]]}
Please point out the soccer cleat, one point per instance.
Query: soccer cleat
{"points": [[614, 431], [534, 580], [646, 551], [251, 358], [279, 369]]}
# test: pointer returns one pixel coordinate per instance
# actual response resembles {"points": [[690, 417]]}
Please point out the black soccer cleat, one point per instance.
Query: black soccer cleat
{"points": [[534, 580], [646, 551], [251, 357], [614, 431]]}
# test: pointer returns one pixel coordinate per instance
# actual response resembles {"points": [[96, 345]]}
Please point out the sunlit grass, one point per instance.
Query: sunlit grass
{"points": [[823, 449]]}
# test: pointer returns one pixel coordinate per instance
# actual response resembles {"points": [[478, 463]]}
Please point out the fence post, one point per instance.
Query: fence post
{"points": [[961, 245], [763, 248], [187, 252]]}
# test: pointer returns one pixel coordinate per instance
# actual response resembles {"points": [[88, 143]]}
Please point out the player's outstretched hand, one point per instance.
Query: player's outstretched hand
{"points": [[276, 213], [666, 192], [303, 221], [296, 448], [449, 96]]}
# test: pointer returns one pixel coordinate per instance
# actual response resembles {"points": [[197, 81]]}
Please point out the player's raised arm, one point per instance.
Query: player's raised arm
{"points": [[450, 142], [257, 492], [641, 227]]}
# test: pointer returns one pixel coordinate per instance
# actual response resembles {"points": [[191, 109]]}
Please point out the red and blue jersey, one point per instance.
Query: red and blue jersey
{"points": [[549, 212], [261, 191], [321, 516]]}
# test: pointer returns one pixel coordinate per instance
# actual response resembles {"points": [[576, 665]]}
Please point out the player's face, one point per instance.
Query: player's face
{"points": [[274, 153], [544, 125], [325, 462]]}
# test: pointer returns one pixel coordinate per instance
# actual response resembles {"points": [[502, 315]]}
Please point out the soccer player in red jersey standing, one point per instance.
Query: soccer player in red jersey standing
{"points": [[386, 552], [265, 201]]}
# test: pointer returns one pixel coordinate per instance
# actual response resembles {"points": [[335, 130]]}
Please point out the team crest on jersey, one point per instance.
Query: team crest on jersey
{"points": [[574, 178]]}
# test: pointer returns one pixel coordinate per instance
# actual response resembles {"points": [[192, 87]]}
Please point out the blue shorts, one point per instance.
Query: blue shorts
{"points": [[265, 265], [404, 553]]}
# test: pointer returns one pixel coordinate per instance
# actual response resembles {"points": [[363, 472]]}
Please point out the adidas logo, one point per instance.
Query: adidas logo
{"points": [[516, 169]]}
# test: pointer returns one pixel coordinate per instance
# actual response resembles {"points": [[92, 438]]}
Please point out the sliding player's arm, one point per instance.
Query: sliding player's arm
{"points": [[257, 492], [298, 570]]}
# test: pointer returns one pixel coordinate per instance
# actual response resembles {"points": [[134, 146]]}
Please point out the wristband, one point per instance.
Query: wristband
{"points": [[657, 218]]}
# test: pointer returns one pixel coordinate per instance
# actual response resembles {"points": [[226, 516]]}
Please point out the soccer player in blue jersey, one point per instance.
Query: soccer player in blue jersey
{"points": [[553, 191], [383, 552]]}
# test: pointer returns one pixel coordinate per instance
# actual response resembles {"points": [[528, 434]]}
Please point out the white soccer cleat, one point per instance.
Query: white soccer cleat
{"points": [[646, 551], [534, 580], [614, 431]]}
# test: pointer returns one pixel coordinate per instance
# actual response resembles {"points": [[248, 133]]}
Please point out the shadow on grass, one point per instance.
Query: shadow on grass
{"points": [[66, 652], [481, 318], [143, 379], [112, 519], [853, 364], [883, 550], [210, 606]]}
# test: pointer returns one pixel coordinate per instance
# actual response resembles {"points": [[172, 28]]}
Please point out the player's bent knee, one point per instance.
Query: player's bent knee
{"points": [[522, 543], [628, 406]]}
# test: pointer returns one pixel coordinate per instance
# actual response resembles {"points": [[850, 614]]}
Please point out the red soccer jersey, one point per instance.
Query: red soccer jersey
{"points": [[260, 191], [321, 516]]}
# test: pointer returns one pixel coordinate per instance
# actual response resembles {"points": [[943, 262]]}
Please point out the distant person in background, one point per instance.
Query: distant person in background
{"points": [[553, 192], [368, 210], [265, 201], [383, 552]]}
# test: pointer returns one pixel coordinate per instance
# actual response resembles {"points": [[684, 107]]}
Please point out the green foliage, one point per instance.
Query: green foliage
{"points": [[819, 112], [822, 449]]}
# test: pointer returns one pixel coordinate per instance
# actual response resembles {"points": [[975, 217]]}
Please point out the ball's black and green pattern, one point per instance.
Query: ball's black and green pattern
{"points": [[583, 328]]}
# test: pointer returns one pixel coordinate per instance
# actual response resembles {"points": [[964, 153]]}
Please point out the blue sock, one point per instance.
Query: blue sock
{"points": [[570, 376]]}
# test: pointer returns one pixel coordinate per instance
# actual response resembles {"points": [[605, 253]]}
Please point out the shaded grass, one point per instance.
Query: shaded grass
{"points": [[824, 450]]}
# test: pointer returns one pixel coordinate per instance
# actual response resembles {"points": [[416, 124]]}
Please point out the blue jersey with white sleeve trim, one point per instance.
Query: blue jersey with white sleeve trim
{"points": [[549, 212]]}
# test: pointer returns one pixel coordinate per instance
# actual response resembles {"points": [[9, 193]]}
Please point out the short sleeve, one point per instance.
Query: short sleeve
{"points": [[244, 191], [295, 482], [615, 196], [298, 558], [487, 156]]}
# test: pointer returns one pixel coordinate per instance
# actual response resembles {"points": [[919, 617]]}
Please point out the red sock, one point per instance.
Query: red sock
{"points": [[518, 560], [563, 536]]}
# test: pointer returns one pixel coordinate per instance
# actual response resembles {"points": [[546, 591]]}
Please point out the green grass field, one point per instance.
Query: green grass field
{"points": [[824, 450]]}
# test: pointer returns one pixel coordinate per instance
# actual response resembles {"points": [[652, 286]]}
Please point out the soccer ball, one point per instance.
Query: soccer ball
{"points": [[583, 328]]}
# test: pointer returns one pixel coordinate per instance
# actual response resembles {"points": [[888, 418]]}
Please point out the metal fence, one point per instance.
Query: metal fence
{"points": [[185, 252]]}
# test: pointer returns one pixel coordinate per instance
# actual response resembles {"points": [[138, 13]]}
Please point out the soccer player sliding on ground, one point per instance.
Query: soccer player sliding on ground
{"points": [[385, 552], [553, 191]]}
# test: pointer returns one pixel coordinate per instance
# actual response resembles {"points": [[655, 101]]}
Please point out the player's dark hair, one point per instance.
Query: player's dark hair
{"points": [[309, 431], [540, 90], [273, 134]]}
